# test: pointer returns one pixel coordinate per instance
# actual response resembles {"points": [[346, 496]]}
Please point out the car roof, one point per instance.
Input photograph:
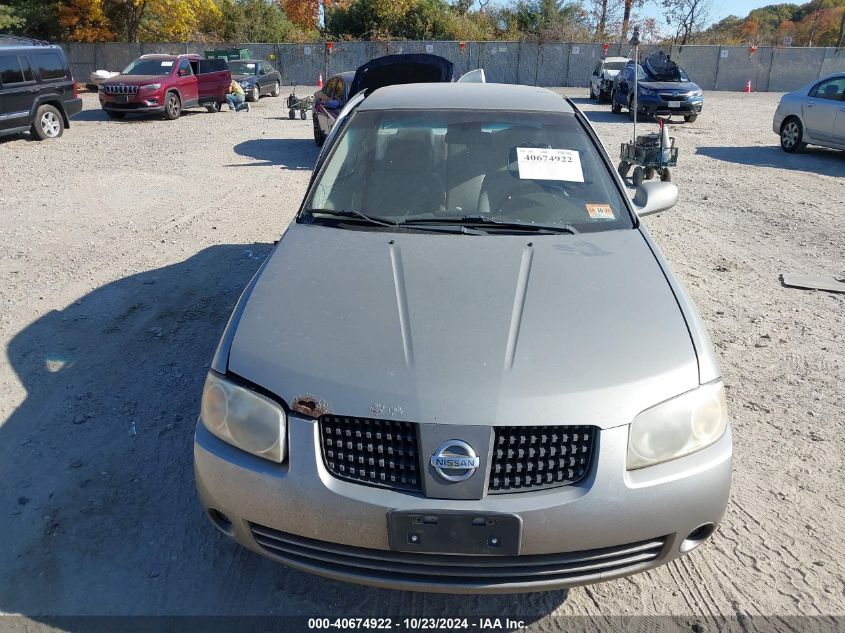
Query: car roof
{"points": [[466, 96]]}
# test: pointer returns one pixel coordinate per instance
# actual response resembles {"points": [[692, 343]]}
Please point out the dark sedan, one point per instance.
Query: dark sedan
{"points": [[257, 77]]}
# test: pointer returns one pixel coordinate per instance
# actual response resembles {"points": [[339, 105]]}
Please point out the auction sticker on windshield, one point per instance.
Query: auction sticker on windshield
{"points": [[537, 163], [600, 212]]}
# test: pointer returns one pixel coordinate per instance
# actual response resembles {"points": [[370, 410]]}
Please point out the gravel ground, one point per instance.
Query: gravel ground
{"points": [[124, 245]]}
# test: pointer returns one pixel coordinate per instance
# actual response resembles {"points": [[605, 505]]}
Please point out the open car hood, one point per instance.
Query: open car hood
{"points": [[401, 69]]}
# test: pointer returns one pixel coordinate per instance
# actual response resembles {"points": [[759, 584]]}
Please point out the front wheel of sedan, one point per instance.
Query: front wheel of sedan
{"points": [[277, 90], [791, 135], [253, 94], [48, 123], [690, 118]]}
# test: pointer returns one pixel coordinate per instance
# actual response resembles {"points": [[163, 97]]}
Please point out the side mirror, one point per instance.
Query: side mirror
{"points": [[654, 197], [333, 104]]}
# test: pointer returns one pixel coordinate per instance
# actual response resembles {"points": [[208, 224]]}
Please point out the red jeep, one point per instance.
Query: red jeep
{"points": [[166, 84]]}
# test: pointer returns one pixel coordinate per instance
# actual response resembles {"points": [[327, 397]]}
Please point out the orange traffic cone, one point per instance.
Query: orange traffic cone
{"points": [[320, 82], [747, 86]]}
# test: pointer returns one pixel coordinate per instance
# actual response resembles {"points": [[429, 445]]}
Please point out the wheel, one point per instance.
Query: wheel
{"points": [[48, 123], [303, 114], [791, 135], [624, 168], [172, 106], [690, 118], [112, 114], [291, 114], [666, 175], [650, 173], [592, 93], [319, 135], [614, 104], [253, 94], [638, 176], [277, 90]]}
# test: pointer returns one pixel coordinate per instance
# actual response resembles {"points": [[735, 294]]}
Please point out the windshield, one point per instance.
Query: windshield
{"points": [[149, 67], [614, 65], [529, 168], [242, 68]]}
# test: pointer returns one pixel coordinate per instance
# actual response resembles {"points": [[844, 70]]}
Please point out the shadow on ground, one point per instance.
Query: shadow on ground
{"points": [[99, 512], [816, 160], [297, 153]]}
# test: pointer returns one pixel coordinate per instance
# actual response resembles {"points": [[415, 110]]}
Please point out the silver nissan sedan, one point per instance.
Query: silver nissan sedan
{"points": [[466, 367]]}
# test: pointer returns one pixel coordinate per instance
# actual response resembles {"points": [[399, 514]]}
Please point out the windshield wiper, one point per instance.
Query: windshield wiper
{"points": [[480, 220], [377, 221], [350, 213]]}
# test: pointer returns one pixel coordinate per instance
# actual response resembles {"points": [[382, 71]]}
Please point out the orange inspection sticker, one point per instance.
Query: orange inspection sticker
{"points": [[600, 212]]}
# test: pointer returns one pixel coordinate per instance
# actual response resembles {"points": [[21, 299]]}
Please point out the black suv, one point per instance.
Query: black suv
{"points": [[37, 90]]}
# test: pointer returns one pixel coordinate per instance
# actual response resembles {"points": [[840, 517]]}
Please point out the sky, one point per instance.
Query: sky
{"points": [[721, 8]]}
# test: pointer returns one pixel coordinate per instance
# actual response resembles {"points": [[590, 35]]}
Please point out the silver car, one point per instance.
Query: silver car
{"points": [[601, 80], [812, 115], [466, 366]]}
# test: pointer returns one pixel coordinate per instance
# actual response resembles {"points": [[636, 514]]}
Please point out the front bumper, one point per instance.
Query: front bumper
{"points": [[152, 103], [611, 524], [659, 106]]}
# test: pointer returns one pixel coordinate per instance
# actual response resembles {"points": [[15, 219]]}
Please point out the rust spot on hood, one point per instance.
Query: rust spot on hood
{"points": [[311, 406]]}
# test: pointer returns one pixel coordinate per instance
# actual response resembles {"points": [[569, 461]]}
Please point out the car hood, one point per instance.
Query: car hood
{"points": [[436, 327], [680, 86], [242, 77], [408, 68], [135, 80]]}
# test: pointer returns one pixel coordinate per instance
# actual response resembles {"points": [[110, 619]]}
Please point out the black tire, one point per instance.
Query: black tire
{"points": [[115, 115], [277, 90], [254, 94], [624, 168], [48, 123], [650, 173], [666, 175], [319, 135], [638, 176], [593, 94], [792, 135], [172, 106], [690, 118], [303, 114], [614, 105]]}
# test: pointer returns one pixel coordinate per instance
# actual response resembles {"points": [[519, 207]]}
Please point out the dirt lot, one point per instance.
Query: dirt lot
{"points": [[124, 245]]}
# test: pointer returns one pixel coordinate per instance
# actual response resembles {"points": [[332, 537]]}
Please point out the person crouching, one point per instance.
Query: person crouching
{"points": [[236, 98]]}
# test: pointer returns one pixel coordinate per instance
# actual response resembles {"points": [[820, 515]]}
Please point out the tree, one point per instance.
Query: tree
{"points": [[254, 21], [84, 21], [163, 20], [9, 19], [687, 17], [40, 17]]}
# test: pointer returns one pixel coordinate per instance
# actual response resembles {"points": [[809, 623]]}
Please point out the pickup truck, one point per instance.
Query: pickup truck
{"points": [[166, 84]]}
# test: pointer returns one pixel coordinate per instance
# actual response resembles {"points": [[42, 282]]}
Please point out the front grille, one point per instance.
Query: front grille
{"points": [[668, 96], [120, 89], [456, 570], [535, 457], [380, 453]]}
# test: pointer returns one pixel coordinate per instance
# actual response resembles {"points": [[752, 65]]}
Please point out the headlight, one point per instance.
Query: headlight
{"points": [[678, 427], [244, 418], [150, 87], [245, 84], [648, 93], [697, 93]]}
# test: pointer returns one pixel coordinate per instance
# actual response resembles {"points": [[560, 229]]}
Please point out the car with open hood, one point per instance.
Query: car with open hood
{"points": [[601, 80], [662, 88], [377, 73], [466, 366]]}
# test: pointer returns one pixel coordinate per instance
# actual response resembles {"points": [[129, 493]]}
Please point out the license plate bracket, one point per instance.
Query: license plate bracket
{"points": [[122, 99], [674, 104], [451, 532]]}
